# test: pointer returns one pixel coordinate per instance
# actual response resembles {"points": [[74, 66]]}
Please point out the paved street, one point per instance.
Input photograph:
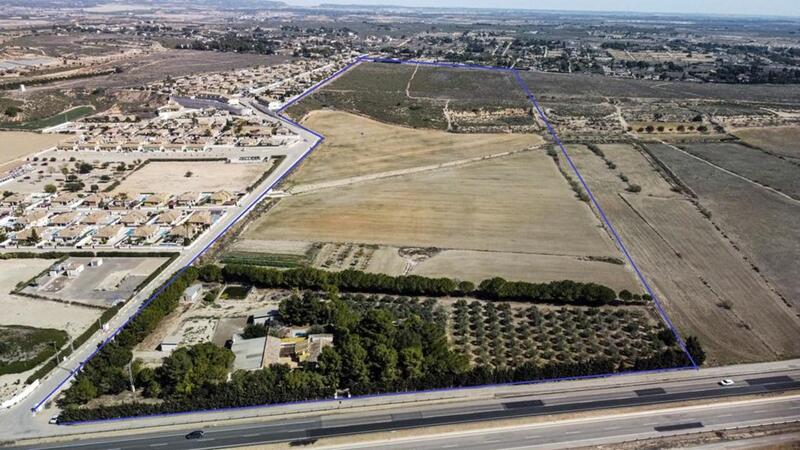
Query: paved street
{"points": [[558, 400]]}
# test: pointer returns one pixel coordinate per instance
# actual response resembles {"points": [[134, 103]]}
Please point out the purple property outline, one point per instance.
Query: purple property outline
{"points": [[320, 139]]}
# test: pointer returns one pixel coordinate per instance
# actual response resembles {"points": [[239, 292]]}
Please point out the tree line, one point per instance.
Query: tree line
{"points": [[350, 280]]}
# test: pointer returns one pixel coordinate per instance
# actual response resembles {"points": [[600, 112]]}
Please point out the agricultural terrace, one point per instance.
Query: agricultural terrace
{"points": [[705, 284]]}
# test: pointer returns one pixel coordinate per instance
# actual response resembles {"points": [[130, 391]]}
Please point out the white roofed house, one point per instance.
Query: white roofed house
{"points": [[70, 235], [73, 269], [36, 218], [188, 199], [170, 217], [200, 219], [96, 200], [133, 219], [64, 219], [145, 234], [109, 235], [66, 200], [192, 293]]}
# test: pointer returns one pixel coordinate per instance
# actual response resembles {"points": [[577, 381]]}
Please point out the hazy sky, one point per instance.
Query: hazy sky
{"points": [[752, 7]]}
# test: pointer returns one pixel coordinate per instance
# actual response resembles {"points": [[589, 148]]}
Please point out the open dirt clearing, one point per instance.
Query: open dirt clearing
{"points": [[206, 176], [35, 312], [763, 224], [520, 204], [18, 144], [784, 141], [357, 146], [706, 286]]}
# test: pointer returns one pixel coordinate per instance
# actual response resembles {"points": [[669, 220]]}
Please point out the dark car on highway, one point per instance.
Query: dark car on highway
{"points": [[196, 434]]}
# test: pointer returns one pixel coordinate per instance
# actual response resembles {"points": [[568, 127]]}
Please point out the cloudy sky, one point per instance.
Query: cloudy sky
{"points": [[753, 7]]}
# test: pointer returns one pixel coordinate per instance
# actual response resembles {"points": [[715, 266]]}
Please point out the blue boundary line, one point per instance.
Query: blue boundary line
{"points": [[320, 139]]}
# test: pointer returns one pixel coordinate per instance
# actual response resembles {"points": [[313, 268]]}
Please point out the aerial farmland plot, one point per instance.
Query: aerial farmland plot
{"points": [[707, 287], [765, 225], [781, 141], [428, 97], [763, 168]]}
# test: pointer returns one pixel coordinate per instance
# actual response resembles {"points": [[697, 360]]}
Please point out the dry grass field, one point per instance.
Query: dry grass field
{"points": [[477, 266], [518, 204], [357, 146], [784, 141], [206, 176], [19, 144], [706, 286]]}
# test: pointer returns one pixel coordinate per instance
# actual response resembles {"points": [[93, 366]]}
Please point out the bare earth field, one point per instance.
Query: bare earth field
{"points": [[33, 312], [784, 141], [206, 176], [19, 144], [519, 204], [763, 224], [357, 146], [756, 165], [706, 286]]}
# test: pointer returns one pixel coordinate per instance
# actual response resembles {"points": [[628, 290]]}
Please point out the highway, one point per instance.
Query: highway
{"points": [[319, 426], [606, 430]]}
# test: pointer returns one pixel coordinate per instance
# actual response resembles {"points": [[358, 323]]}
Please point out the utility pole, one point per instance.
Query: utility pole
{"points": [[130, 377], [56, 349]]}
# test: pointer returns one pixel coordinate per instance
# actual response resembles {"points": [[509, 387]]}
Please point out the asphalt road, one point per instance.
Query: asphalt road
{"points": [[605, 430], [306, 429]]}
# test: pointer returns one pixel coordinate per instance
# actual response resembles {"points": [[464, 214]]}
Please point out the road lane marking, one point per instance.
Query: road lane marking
{"points": [[251, 435], [160, 444]]}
